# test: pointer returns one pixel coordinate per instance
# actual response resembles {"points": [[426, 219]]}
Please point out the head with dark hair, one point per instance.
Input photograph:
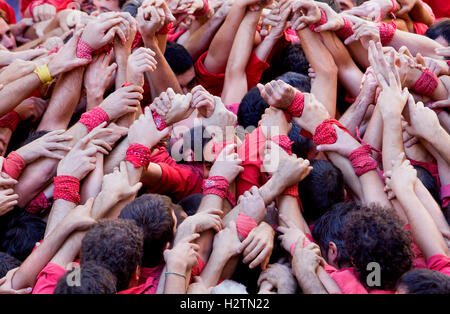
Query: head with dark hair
{"points": [[117, 245], [182, 65], [154, 214], [328, 230], [440, 31], [191, 203], [428, 181], [252, 106], [7, 262], [93, 279], [376, 235], [321, 189], [424, 281], [21, 234]]}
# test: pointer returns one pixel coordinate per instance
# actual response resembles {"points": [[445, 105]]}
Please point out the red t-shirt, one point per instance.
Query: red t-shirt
{"points": [[9, 12], [178, 181], [213, 82], [48, 279], [439, 263]]}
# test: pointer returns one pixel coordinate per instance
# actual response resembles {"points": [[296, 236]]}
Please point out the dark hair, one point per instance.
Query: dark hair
{"points": [[191, 203], [425, 281], [153, 214], [93, 279], [321, 189], [441, 28], [115, 244], [178, 58], [429, 182], [21, 234], [7, 262], [375, 234], [330, 227]]}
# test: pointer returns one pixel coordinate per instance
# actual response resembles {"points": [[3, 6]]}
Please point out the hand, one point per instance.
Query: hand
{"points": [[183, 256], [369, 9], [32, 107], [116, 184], [8, 199], [227, 242], [277, 93], [143, 131], [306, 12], [98, 75], [43, 12], [402, 177], [203, 221], [80, 218], [102, 30], [258, 246], [364, 31], [291, 169], [306, 260], [405, 6], [334, 22], [273, 123], [6, 284], [124, 100], [45, 146], [424, 121], [173, 107], [290, 233], [203, 101], [140, 61], [279, 278], [65, 59], [252, 204], [344, 145], [227, 164]]}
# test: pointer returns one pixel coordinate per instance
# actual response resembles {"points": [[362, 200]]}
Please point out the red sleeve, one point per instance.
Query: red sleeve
{"points": [[212, 82], [250, 153], [178, 181], [48, 279], [255, 69], [9, 12], [439, 263]]}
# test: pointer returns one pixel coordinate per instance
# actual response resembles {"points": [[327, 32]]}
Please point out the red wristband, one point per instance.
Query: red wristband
{"points": [[159, 121], [387, 32], [204, 10], [426, 84], [10, 120], [323, 20], [245, 224], [84, 51], [13, 165], [94, 118], [346, 31], [295, 109], [362, 160], [217, 185], [138, 155], [66, 188]]}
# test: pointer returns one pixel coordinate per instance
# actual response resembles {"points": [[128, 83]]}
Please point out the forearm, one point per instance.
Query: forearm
{"points": [[63, 102]]}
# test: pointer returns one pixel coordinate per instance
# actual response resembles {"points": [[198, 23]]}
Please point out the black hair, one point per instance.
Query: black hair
{"points": [[375, 234], [441, 28], [191, 203], [115, 244], [7, 262], [153, 214], [178, 58], [428, 181], [330, 227], [321, 189], [93, 279], [425, 281], [21, 234]]}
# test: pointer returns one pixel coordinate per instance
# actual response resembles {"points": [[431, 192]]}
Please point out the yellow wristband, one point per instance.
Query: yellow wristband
{"points": [[44, 74]]}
